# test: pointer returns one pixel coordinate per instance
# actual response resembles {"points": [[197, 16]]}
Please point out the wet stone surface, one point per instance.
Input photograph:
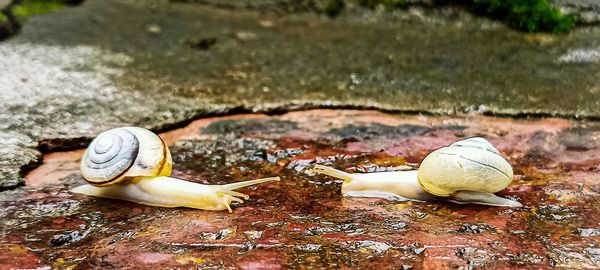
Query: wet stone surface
{"points": [[302, 221], [63, 79]]}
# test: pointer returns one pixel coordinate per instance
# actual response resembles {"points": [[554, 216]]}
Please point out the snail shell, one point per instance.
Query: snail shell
{"points": [[125, 152], [472, 164]]}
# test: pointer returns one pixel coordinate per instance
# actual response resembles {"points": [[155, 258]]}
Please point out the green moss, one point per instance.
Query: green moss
{"points": [[526, 15], [13, 15], [28, 8], [334, 7], [6, 27], [3, 19]]}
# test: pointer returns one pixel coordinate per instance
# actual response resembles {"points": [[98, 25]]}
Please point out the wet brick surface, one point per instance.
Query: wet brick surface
{"points": [[302, 221]]}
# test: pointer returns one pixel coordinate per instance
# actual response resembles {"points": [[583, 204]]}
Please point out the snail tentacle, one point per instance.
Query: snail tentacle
{"points": [[347, 177], [226, 202], [235, 199], [234, 193], [238, 185]]}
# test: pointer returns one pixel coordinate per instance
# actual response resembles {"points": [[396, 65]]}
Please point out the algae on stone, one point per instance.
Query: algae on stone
{"points": [[16, 12], [526, 15], [28, 8]]}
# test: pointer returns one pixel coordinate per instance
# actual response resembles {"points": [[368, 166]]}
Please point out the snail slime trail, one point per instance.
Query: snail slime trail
{"points": [[466, 171], [134, 164]]}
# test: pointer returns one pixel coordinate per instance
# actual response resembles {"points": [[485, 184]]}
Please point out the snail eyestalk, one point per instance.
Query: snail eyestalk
{"points": [[347, 177], [234, 186]]}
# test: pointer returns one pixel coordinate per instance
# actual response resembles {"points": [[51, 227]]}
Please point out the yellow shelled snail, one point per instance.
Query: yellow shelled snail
{"points": [[134, 164], [466, 171]]}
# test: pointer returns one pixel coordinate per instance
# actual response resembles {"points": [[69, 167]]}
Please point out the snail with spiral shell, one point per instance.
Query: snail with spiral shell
{"points": [[134, 164], [466, 171]]}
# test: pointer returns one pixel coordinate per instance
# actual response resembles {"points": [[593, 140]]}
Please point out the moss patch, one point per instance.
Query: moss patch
{"points": [[14, 14], [524, 15], [6, 27], [3, 19], [334, 7], [29, 8]]}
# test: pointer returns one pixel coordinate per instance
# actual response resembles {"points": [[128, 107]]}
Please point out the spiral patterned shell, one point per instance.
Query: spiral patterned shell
{"points": [[125, 152], [473, 164]]}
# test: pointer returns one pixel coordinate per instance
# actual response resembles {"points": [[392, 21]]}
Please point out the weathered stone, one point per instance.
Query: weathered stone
{"points": [[63, 79], [587, 11], [17, 151], [4, 4]]}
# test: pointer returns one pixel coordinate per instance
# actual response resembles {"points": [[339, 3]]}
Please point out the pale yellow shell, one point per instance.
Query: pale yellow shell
{"points": [[472, 164], [125, 152]]}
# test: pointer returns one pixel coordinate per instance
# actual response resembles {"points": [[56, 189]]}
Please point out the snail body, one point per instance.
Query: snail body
{"points": [[466, 171], [134, 164]]}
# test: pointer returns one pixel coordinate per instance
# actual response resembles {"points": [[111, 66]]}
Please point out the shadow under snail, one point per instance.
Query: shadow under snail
{"points": [[134, 164], [466, 171]]}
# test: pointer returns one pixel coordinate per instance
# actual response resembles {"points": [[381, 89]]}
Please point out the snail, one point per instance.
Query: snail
{"points": [[134, 164], [466, 171]]}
